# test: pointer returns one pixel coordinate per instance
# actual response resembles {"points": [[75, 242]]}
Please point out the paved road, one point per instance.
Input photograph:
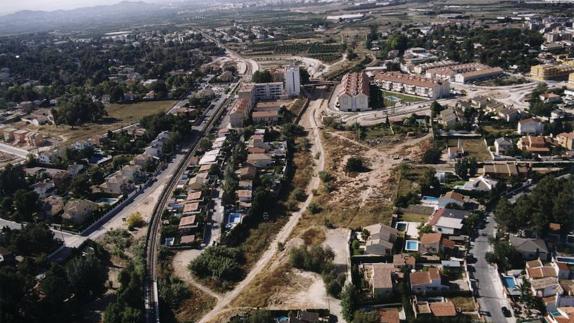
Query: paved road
{"points": [[490, 290], [15, 151]]}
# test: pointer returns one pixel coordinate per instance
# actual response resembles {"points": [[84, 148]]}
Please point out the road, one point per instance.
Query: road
{"points": [[490, 290], [266, 257], [15, 151]]}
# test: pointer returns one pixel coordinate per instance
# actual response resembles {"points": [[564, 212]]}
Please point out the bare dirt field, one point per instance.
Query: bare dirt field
{"points": [[364, 198]]}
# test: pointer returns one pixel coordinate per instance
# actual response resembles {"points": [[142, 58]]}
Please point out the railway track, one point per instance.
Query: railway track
{"points": [[153, 235]]}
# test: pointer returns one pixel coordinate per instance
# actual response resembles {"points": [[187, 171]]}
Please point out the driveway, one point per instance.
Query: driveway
{"points": [[490, 296]]}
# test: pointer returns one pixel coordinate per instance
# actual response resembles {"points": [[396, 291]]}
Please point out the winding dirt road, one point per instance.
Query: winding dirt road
{"points": [[310, 122]]}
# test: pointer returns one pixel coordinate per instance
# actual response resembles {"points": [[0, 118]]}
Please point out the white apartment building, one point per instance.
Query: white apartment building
{"points": [[411, 84], [292, 81], [268, 91]]}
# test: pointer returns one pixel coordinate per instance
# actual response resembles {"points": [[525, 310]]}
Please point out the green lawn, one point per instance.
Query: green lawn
{"points": [[133, 112], [402, 97], [413, 217], [499, 131]]}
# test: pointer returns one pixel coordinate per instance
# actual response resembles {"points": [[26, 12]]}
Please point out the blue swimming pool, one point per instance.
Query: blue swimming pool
{"points": [[509, 281], [568, 260], [411, 245], [234, 218], [429, 199]]}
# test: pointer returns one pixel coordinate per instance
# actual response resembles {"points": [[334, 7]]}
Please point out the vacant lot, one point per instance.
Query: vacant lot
{"points": [[465, 304], [119, 115], [352, 200], [130, 113], [472, 147]]}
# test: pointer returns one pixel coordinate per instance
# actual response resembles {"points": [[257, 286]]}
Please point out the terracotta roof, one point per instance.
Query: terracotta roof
{"points": [[420, 278], [244, 193], [389, 315], [485, 71], [407, 79], [554, 226], [534, 263], [424, 277], [190, 207], [441, 309], [355, 83], [240, 105], [449, 244], [265, 114], [187, 220], [382, 276], [434, 273], [429, 238], [454, 196], [194, 195], [541, 272], [187, 239], [258, 157], [256, 150]]}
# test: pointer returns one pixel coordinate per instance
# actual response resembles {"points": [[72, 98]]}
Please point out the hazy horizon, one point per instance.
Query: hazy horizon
{"points": [[9, 7]]}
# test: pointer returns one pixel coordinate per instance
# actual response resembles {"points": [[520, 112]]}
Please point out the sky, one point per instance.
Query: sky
{"points": [[11, 6]]}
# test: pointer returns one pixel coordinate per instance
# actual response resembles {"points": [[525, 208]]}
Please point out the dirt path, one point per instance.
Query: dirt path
{"points": [[180, 263], [286, 231]]}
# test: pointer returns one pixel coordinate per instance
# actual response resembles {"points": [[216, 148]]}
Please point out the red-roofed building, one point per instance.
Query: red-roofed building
{"points": [[354, 92]]}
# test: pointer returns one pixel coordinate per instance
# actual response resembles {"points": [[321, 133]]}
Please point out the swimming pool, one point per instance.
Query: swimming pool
{"points": [[401, 226], [233, 219], [568, 260], [429, 200], [411, 245], [509, 281]]}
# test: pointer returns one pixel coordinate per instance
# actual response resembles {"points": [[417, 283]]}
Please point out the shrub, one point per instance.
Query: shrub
{"points": [[219, 262], [355, 164], [135, 220], [314, 208]]}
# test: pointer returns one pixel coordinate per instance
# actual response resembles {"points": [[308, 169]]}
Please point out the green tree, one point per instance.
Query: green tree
{"points": [[431, 156], [436, 108], [26, 204], [354, 164], [504, 214], [366, 317], [262, 77], [349, 302], [304, 75], [87, 276], [79, 109], [461, 168], [55, 286]]}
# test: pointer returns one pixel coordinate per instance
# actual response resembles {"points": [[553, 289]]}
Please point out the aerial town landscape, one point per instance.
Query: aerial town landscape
{"points": [[282, 161]]}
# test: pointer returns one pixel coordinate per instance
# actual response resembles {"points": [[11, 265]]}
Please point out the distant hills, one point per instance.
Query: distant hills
{"points": [[123, 12]]}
